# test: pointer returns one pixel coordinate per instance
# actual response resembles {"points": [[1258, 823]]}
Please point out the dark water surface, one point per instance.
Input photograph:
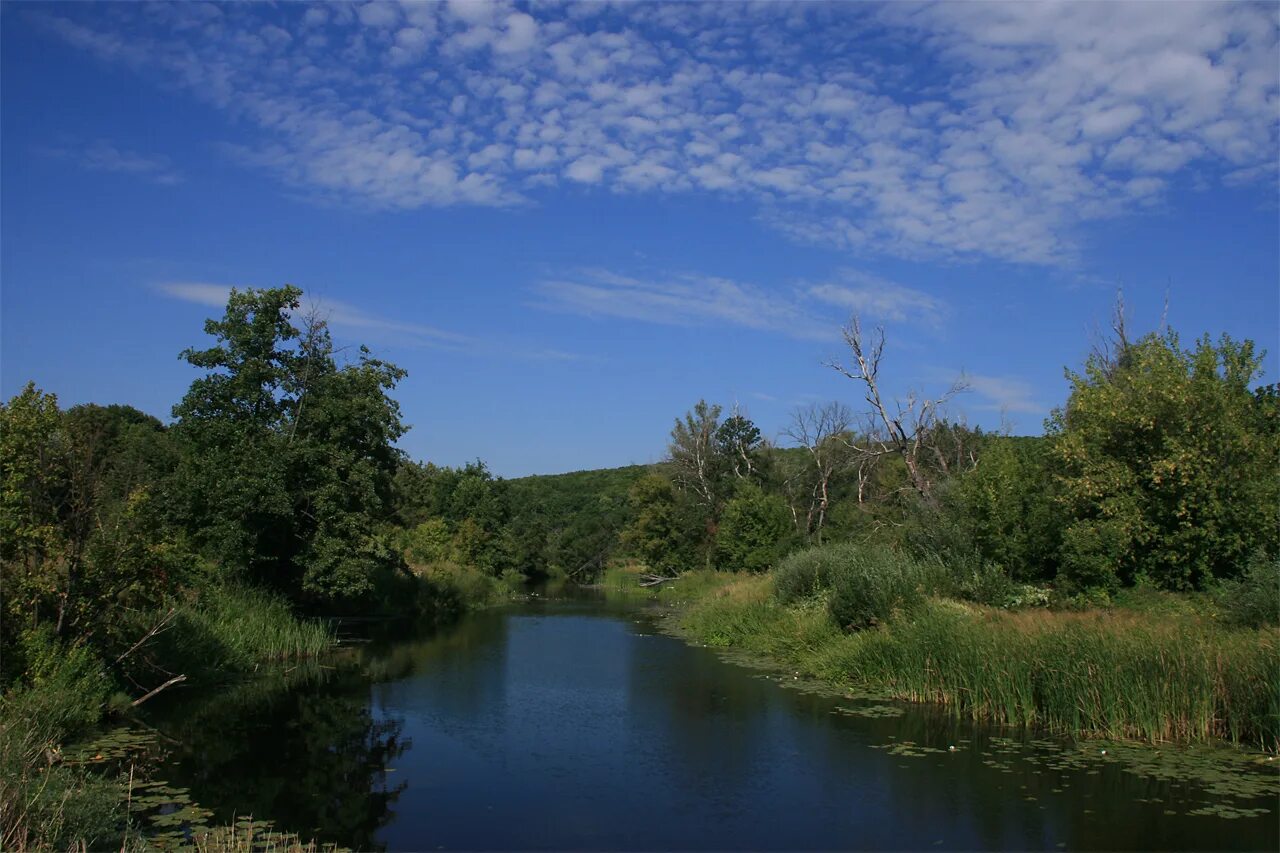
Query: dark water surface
{"points": [[576, 725]]}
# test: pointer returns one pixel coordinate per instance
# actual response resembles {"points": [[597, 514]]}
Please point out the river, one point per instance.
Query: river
{"points": [[577, 724]]}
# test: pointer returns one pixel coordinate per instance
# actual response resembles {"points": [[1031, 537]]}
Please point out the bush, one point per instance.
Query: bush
{"points": [[1004, 509], [66, 685], [1254, 600], [755, 530], [1167, 464], [875, 584], [429, 541], [45, 804], [450, 588], [982, 583], [808, 572]]}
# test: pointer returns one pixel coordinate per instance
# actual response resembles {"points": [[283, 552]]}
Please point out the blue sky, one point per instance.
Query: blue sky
{"points": [[571, 222]]}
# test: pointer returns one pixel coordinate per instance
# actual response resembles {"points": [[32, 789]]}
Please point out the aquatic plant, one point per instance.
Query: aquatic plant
{"points": [[1101, 673], [229, 628]]}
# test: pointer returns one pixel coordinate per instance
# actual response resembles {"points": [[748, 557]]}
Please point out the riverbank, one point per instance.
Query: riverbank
{"points": [[224, 634], [1157, 677]]}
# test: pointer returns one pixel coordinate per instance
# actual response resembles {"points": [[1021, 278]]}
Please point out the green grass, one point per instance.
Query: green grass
{"points": [[1117, 674], [45, 804], [448, 589], [230, 629], [623, 580]]}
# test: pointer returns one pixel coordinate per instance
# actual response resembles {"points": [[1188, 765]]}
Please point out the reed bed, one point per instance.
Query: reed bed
{"points": [[234, 629], [1099, 673]]}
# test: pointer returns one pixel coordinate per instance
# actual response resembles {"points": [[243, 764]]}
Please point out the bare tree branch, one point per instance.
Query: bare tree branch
{"points": [[908, 429]]}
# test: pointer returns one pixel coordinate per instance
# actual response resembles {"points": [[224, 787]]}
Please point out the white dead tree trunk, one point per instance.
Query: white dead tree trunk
{"points": [[905, 428], [693, 453], [822, 431]]}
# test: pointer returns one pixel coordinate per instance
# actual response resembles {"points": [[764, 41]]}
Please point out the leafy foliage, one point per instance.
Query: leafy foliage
{"points": [[1167, 465], [1252, 600], [84, 535], [1005, 508], [755, 530], [668, 527], [287, 457], [872, 584], [807, 573]]}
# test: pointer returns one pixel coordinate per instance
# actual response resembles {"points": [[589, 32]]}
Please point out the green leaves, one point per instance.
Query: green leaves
{"points": [[755, 529], [1167, 465], [287, 456]]}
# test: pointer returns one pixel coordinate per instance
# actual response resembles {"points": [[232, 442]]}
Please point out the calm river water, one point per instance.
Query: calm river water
{"points": [[577, 725]]}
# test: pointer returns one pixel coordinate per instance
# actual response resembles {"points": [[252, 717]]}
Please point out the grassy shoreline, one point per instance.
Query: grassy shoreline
{"points": [[227, 632], [49, 800], [1115, 674]]}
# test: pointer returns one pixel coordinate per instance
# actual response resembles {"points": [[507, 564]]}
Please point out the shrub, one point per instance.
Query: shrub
{"points": [[45, 804], [450, 588], [876, 583], [1254, 599], [1004, 509], [755, 530], [808, 572], [982, 583], [429, 541], [66, 685]]}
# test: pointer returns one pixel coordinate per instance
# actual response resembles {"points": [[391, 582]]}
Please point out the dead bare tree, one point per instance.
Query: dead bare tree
{"points": [[822, 431], [906, 428]]}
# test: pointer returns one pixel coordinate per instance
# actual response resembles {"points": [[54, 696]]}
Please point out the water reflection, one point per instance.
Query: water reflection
{"points": [[575, 725], [304, 750]]}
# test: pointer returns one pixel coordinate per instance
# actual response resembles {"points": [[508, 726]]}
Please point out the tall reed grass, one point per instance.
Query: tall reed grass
{"points": [[45, 804], [1104, 673], [233, 628]]}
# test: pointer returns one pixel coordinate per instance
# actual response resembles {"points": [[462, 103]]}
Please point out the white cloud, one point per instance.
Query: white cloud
{"points": [[103, 156], [802, 310], [1005, 394], [680, 300], [355, 322], [379, 14], [213, 295], [1052, 115], [339, 315], [862, 293], [521, 34]]}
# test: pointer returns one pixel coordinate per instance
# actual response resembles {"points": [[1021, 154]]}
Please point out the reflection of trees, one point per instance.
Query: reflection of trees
{"points": [[460, 670], [309, 757]]}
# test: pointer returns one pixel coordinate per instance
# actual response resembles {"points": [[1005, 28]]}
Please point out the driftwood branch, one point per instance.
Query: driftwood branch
{"points": [[172, 681], [654, 580], [155, 629]]}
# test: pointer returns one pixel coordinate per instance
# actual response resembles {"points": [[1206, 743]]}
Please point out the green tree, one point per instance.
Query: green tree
{"points": [[83, 539], [287, 458], [33, 492], [1168, 466], [667, 528], [755, 531], [739, 443], [695, 456], [1006, 509]]}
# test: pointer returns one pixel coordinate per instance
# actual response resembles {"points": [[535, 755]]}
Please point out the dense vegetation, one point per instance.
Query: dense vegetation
{"points": [[1158, 471], [1119, 576], [894, 550], [135, 556]]}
